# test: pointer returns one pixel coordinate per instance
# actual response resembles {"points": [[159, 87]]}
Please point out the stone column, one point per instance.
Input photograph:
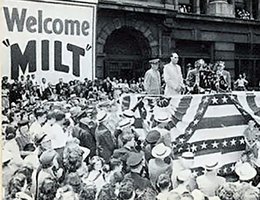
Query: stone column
{"points": [[169, 2], [176, 4], [226, 52], [250, 8], [258, 10], [197, 5]]}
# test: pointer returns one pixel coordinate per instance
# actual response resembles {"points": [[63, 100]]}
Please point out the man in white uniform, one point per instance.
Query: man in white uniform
{"points": [[173, 76]]}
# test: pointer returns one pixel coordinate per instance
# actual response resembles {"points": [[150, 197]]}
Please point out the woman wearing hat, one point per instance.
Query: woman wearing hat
{"points": [[159, 164]]}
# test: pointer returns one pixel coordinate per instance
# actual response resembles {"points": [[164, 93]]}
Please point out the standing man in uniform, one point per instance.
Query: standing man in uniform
{"points": [[173, 77], [152, 79]]}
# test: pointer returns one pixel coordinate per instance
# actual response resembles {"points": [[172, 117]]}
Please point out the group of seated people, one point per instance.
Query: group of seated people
{"points": [[76, 150], [28, 90]]}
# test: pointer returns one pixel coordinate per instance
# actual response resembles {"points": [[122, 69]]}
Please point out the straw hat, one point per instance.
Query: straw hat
{"points": [[6, 156], [161, 151], [161, 116], [212, 165], [128, 113], [102, 116], [245, 172], [125, 123], [184, 175], [187, 155]]}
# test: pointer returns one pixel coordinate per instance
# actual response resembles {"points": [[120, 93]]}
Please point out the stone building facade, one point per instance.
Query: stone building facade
{"points": [[130, 32]]}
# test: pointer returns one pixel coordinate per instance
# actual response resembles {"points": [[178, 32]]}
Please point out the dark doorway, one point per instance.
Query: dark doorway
{"points": [[127, 54]]}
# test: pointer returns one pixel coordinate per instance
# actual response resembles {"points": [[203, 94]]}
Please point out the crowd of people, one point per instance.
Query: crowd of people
{"points": [[72, 141]]}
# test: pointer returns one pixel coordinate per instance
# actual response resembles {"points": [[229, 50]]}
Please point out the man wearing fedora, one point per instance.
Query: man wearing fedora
{"points": [[209, 182], [151, 140], [184, 162], [82, 132], [135, 162], [152, 79], [105, 141]]}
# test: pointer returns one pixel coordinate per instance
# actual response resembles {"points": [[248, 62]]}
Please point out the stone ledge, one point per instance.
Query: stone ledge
{"points": [[145, 7]]}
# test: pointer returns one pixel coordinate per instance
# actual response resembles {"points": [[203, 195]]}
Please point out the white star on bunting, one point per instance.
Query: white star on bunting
{"points": [[225, 170], [195, 173], [206, 100], [215, 144], [194, 148], [242, 141], [224, 99], [181, 140], [189, 132], [233, 142], [214, 100], [196, 121], [180, 149], [232, 97], [224, 144], [203, 146], [232, 168], [201, 111]]}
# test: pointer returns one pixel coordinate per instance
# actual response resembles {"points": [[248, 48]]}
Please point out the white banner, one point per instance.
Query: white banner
{"points": [[51, 39]]}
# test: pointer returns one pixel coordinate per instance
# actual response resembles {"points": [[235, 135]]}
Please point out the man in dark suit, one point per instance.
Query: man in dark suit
{"points": [[61, 88], [193, 78], [135, 163], [86, 139], [223, 83], [105, 141]]}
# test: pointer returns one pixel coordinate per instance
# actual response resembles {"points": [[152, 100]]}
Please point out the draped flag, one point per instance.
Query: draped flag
{"points": [[208, 125]]}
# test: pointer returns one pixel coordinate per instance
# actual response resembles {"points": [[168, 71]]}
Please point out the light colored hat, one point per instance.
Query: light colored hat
{"points": [[184, 175], [102, 116], [6, 156], [74, 111], [125, 123], [187, 155], [128, 113], [212, 165], [154, 61], [245, 172], [161, 116], [161, 151]]}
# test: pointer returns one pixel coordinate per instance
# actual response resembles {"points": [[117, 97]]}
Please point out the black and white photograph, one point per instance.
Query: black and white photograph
{"points": [[130, 99]]}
